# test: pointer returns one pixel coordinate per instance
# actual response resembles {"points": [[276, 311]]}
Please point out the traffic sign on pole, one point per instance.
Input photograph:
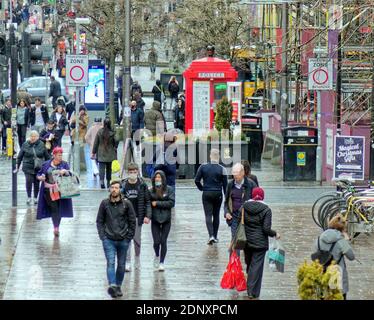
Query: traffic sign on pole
{"points": [[320, 74], [77, 70]]}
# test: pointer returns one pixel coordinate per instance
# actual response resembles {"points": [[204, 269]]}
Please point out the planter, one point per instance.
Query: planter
{"points": [[231, 152]]}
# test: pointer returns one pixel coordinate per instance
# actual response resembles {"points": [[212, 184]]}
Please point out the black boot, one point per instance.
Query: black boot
{"points": [[119, 291]]}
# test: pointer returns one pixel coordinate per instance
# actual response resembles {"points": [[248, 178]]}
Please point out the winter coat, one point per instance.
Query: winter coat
{"points": [[6, 115], [179, 118], [27, 116], [341, 249], [60, 125], [55, 89], [26, 155], [157, 90], [83, 124], [44, 111], [257, 222], [44, 135], [91, 134], [105, 153], [137, 119], [167, 162], [214, 177], [154, 120], [144, 201], [140, 104], [162, 212], [173, 88], [248, 186], [65, 205], [116, 220]]}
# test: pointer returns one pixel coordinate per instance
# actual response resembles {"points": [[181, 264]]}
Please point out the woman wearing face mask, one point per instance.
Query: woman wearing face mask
{"points": [[162, 201], [47, 207]]}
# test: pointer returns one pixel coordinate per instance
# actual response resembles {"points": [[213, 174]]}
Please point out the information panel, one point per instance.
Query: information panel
{"points": [[201, 107]]}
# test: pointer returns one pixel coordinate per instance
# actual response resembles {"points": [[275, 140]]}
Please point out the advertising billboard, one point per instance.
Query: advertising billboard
{"points": [[94, 93]]}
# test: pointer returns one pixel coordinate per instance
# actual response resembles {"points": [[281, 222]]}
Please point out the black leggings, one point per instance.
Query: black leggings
{"points": [[53, 208], [160, 233], [31, 181], [21, 131], [212, 201], [105, 167]]}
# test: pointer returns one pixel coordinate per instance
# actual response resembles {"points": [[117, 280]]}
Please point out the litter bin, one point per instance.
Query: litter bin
{"points": [[252, 129], [299, 153]]}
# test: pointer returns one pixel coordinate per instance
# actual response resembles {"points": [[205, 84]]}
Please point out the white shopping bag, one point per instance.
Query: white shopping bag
{"points": [[95, 169]]}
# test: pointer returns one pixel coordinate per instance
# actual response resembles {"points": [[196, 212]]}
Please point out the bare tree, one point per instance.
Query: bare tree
{"points": [[222, 23]]}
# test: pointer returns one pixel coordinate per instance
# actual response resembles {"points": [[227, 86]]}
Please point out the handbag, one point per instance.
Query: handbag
{"points": [[63, 72], [54, 193], [38, 162], [240, 239], [69, 186]]}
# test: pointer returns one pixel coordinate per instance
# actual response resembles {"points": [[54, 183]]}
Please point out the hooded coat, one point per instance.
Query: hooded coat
{"points": [[154, 120], [105, 153], [257, 223], [162, 212], [341, 249], [26, 155]]}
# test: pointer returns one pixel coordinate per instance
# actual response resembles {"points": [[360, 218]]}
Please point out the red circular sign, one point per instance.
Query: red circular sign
{"points": [[75, 77], [320, 76]]}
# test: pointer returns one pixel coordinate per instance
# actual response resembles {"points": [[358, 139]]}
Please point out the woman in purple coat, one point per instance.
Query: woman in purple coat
{"points": [[47, 208]]}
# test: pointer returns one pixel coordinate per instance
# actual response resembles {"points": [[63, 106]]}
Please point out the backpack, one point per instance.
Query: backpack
{"points": [[174, 87], [325, 258]]}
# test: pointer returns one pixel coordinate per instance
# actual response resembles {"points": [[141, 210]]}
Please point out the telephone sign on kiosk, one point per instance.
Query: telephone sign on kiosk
{"points": [[76, 70]]}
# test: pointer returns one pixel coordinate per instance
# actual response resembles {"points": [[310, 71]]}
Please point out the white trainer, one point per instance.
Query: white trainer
{"points": [[161, 267], [128, 267]]}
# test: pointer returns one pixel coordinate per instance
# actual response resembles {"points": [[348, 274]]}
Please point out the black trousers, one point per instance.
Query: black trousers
{"points": [[59, 135], [53, 208], [32, 181], [160, 233], [254, 260], [212, 201], [3, 137], [21, 131], [105, 168]]}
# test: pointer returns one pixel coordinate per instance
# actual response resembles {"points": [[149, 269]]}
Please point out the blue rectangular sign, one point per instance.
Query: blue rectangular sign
{"points": [[349, 158]]}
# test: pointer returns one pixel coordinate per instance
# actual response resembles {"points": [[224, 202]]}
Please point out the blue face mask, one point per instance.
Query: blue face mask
{"points": [[158, 184]]}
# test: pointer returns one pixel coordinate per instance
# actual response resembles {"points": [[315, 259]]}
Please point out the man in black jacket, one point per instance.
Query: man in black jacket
{"points": [[116, 227], [215, 180], [239, 190], [54, 90], [136, 190]]}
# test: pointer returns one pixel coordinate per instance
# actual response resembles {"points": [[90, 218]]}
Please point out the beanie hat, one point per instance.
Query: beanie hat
{"points": [[258, 194]]}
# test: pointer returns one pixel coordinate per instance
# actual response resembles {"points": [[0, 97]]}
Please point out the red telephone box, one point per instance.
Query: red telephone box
{"points": [[206, 83]]}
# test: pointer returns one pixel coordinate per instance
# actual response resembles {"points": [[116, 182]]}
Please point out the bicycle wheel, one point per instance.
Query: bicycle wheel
{"points": [[324, 210], [352, 219], [332, 210], [330, 195]]}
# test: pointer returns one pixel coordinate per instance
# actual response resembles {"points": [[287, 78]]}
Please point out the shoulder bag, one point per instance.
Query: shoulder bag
{"points": [[240, 239], [38, 162]]}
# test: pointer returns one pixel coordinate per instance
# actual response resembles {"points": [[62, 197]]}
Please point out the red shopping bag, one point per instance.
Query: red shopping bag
{"points": [[228, 279], [54, 193], [240, 281]]}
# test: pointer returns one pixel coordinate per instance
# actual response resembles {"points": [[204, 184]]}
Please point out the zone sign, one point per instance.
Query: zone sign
{"points": [[320, 74], [77, 70]]}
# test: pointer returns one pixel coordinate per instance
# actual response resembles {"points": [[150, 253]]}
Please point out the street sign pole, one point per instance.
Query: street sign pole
{"points": [[76, 148], [14, 66]]}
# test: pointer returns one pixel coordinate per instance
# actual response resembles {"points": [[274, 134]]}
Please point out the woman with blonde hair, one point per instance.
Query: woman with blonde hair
{"points": [[336, 239]]}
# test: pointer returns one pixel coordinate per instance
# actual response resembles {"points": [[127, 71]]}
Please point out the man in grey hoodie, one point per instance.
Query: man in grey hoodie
{"points": [[342, 248]]}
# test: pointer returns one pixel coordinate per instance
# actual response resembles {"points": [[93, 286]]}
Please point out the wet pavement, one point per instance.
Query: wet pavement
{"points": [[73, 266]]}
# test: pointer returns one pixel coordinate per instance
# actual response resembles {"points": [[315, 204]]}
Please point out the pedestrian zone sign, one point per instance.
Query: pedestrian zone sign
{"points": [[77, 70], [320, 74]]}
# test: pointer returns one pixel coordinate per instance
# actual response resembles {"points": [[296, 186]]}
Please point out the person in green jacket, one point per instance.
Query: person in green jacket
{"points": [[105, 151]]}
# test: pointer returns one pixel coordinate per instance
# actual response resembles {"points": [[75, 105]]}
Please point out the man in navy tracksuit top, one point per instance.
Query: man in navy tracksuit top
{"points": [[214, 182]]}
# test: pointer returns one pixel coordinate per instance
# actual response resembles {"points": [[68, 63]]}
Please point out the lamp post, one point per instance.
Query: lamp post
{"points": [[76, 149]]}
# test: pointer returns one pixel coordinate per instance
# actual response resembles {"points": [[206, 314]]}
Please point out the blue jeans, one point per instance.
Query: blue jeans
{"points": [[111, 249]]}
